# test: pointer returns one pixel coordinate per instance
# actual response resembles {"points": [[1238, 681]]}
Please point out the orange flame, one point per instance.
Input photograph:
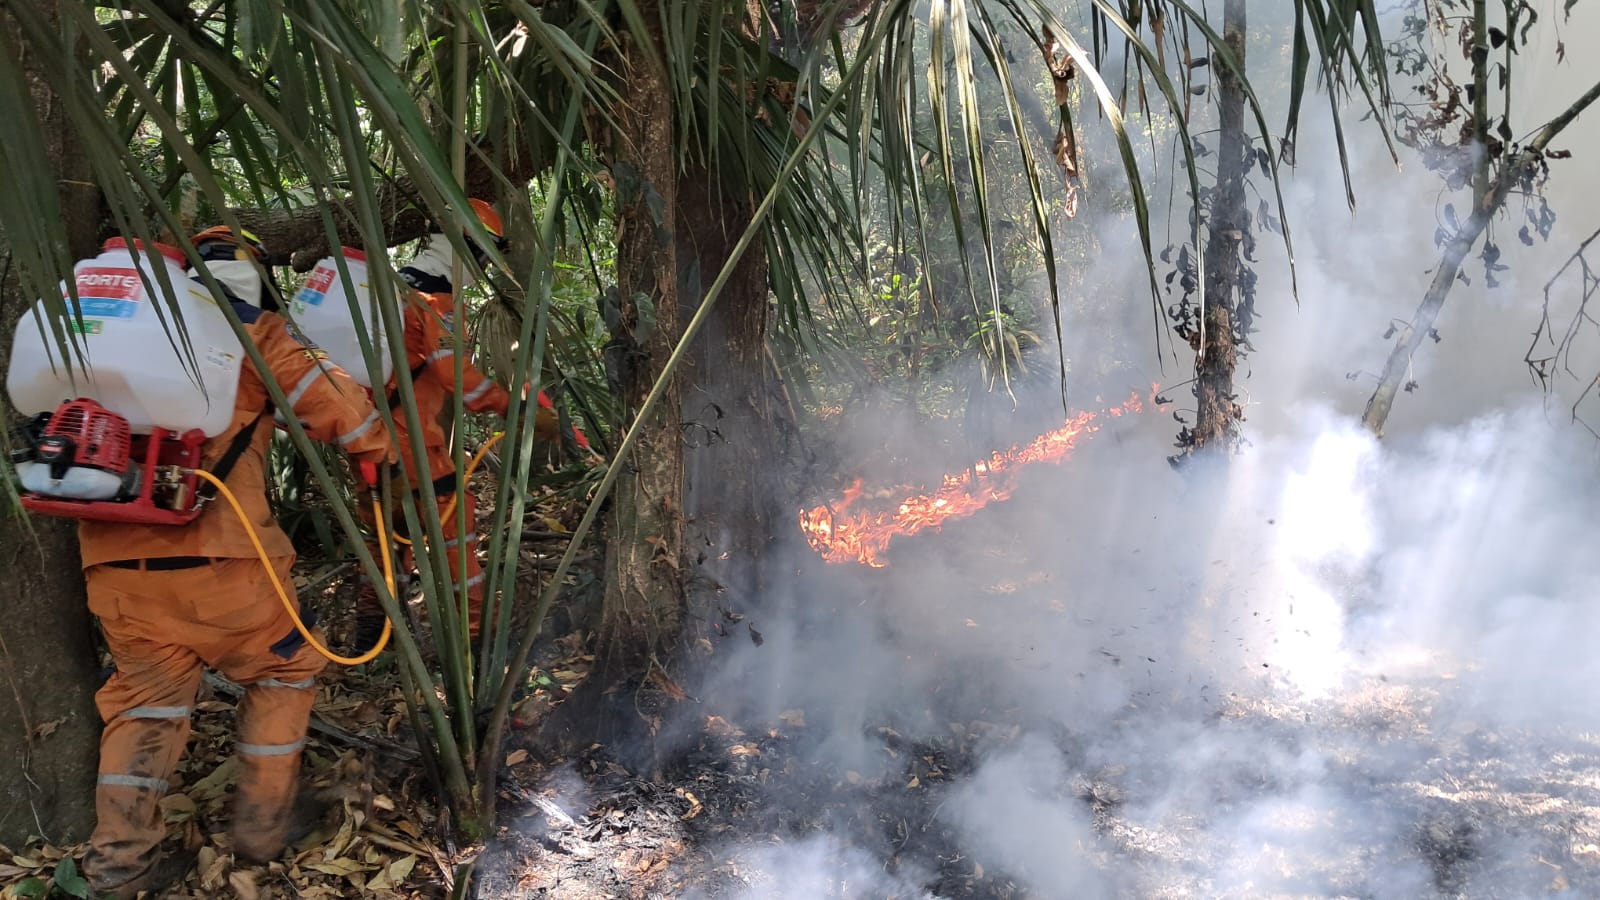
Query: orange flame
{"points": [[841, 534]]}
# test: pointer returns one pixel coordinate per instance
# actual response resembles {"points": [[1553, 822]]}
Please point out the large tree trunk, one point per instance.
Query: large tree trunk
{"points": [[49, 730], [642, 612], [1218, 412], [733, 485]]}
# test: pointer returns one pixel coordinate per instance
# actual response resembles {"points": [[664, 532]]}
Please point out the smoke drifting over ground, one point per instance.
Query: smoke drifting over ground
{"points": [[1337, 669]]}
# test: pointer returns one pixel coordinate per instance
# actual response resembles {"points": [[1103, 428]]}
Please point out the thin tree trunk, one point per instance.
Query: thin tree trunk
{"points": [[1218, 414], [49, 730], [1455, 253]]}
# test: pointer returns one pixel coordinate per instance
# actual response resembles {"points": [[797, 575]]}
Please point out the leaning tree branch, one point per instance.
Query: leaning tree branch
{"points": [[1455, 253], [296, 236]]}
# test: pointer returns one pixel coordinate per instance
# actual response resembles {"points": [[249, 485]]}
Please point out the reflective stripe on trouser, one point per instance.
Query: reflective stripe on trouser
{"points": [[462, 552], [162, 628]]}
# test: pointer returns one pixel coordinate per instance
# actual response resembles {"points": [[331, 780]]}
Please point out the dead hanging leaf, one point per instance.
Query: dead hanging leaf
{"points": [[1065, 152], [516, 757]]}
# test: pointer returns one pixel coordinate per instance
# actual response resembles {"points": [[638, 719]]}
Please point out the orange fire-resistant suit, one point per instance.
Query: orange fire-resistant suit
{"points": [[430, 352], [173, 599]]}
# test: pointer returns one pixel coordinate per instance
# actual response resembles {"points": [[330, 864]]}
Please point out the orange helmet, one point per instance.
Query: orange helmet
{"points": [[241, 238], [490, 219]]}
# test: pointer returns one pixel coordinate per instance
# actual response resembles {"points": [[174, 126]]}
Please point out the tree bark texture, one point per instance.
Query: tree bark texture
{"points": [[49, 729], [1218, 413], [644, 599], [733, 486]]}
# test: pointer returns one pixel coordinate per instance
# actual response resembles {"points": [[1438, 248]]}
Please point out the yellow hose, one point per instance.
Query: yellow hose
{"points": [[472, 466], [294, 612]]}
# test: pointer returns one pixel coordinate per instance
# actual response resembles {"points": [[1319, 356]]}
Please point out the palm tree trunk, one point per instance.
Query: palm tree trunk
{"points": [[642, 612], [49, 730], [1218, 415]]}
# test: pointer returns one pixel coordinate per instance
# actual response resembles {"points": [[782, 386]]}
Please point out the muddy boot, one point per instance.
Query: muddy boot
{"points": [[168, 870]]}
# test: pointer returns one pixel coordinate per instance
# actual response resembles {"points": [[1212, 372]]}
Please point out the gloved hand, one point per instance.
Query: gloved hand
{"points": [[374, 461]]}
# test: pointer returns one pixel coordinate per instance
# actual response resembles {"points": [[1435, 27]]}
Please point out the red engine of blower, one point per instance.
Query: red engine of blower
{"points": [[86, 464]]}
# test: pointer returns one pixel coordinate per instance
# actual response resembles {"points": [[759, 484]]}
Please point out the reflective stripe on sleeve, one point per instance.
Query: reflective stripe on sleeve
{"points": [[476, 579], [476, 393], [360, 431], [306, 381], [157, 712], [271, 749], [441, 353], [134, 781]]}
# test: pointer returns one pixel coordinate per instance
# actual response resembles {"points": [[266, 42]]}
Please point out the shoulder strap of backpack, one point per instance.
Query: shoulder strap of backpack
{"points": [[236, 448], [416, 372]]}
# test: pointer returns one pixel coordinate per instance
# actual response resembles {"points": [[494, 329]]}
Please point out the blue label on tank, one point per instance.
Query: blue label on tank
{"points": [[107, 307], [309, 297]]}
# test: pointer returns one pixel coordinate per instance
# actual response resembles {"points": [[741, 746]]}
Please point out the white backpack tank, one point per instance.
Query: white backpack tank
{"points": [[322, 311], [134, 367]]}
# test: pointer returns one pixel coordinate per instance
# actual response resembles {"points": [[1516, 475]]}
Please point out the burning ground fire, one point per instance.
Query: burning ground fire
{"points": [[841, 533]]}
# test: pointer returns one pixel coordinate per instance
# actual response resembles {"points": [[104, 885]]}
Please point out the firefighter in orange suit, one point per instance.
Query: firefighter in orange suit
{"points": [[175, 599], [430, 352]]}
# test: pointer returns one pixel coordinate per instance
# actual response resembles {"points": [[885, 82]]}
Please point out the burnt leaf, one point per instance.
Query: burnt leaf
{"points": [[1434, 333], [1450, 217], [1524, 236], [1389, 333], [1497, 38], [1411, 386]]}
